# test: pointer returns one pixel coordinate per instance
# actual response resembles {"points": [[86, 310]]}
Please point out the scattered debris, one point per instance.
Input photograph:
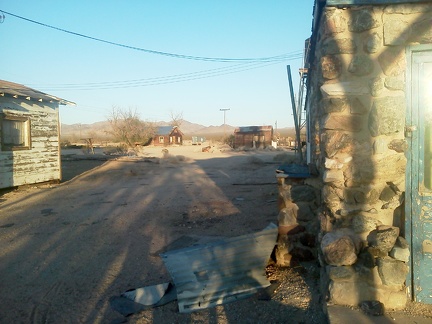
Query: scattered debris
{"points": [[152, 295], [206, 149], [165, 153], [136, 300], [220, 272], [209, 274], [293, 171], [268, 292], [372, 307]]}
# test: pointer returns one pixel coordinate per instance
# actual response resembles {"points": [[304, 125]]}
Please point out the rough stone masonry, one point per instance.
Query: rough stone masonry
{"points": [[357, 117]]}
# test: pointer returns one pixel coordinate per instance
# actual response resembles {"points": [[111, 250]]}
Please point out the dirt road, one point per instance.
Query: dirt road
{"points": [[68, 248]]}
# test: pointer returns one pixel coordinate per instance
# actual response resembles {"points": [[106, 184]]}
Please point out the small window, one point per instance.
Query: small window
{"points": [[161, 139], [15, 133]]}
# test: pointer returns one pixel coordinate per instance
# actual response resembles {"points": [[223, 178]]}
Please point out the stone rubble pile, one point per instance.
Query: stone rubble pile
{"points": [[298, 224]]}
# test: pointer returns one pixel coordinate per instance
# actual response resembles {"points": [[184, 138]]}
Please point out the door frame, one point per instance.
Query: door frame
{"points": [[410, 176]]}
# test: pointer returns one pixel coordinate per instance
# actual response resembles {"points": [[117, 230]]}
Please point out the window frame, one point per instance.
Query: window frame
{"points": [[27, 137]]}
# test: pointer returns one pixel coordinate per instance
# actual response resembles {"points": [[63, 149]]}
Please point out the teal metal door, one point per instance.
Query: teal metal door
{"points": [[419, 171]]}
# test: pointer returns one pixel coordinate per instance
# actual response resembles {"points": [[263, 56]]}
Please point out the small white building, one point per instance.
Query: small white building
{"points": [[29, 135]]}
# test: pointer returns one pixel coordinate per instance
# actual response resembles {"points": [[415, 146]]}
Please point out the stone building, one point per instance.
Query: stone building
{"points": [[369, 117]]}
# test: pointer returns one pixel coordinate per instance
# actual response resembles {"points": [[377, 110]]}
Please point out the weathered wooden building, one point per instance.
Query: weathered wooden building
{"points": [[253, 136], [369, 109], [168, 135], [29, 135]]}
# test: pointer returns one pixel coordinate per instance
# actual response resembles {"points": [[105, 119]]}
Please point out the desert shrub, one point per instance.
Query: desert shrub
{"points": [[229, 140]]}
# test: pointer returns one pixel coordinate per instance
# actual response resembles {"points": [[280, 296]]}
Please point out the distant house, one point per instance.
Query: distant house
{"points": [[253, 136], [168, 135], [29, 135]]}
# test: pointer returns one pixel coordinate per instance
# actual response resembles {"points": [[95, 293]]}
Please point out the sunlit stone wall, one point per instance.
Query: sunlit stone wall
{"points": [[358, 106]]}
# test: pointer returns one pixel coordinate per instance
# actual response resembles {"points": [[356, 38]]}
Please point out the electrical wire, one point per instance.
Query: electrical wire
{"points": [[158, 80], [245, 64], [179, 56]]}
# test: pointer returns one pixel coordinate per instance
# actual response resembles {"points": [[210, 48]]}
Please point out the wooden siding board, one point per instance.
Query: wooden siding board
{"points": [[244, 136], [44, 133], [45, 174], [49, 146], [32, 178], [6, 180], [42, 162]]}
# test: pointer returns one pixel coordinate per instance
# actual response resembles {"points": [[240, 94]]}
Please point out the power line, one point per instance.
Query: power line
{"points": [[157, 80], [179, 56]]}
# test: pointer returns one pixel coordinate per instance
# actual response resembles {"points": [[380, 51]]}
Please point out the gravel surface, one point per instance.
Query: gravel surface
{"points": [[292, 298], [67, 249]]}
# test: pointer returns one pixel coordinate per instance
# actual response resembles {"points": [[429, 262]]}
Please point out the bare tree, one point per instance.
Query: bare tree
{"points": [[128, 128], [176, 119]]}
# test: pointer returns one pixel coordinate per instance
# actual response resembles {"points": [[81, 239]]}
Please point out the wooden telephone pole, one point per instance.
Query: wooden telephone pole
{"points": [[224, 112]]}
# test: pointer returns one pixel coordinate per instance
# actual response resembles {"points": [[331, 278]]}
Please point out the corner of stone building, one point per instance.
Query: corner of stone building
{"points": [[357, 118]]}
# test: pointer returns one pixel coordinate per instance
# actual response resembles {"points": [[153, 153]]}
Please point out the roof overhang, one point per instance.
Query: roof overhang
{"points": [[19, 91]]}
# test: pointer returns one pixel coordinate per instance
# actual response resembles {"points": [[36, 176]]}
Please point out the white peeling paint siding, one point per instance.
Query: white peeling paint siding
{"points": [[41, 162]]}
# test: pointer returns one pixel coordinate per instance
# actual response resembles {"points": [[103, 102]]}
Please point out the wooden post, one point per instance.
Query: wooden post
{"points": [[294, 109]]}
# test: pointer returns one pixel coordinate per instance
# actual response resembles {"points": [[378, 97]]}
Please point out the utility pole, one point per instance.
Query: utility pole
{"points": [[224, 112], [296, 120]]}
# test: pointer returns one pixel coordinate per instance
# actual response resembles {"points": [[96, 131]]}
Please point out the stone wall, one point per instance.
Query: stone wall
{"points": [[357, 111], [298, 224]]}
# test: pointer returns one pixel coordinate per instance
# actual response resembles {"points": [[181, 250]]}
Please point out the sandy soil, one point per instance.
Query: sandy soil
{"points": [[68, 248]]}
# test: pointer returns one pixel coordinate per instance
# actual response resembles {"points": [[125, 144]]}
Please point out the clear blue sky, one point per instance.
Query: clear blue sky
{"points": [[98, 76]]}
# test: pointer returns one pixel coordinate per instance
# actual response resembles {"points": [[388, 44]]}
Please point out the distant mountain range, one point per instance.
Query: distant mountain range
{"points": [[100, 129]]}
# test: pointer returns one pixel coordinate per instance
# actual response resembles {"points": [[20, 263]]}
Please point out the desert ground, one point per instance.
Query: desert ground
{"points": [[68, 248]]}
